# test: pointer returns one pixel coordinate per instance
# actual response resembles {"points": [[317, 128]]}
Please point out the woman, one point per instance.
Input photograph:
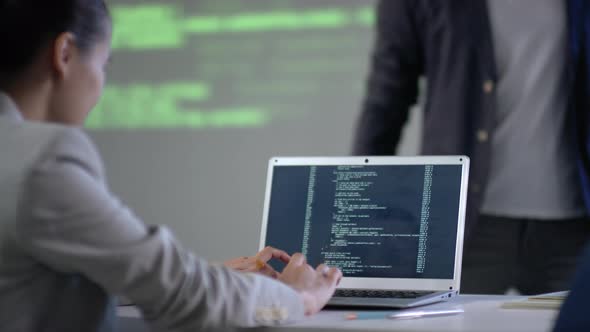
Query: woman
{"points": [[67, 245]]}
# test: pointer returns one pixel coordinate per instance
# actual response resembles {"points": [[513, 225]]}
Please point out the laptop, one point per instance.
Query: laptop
{"points": [[393, 225]]}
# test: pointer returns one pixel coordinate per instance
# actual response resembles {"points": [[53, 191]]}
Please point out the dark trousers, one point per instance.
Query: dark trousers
{"points": [[532, 256]]}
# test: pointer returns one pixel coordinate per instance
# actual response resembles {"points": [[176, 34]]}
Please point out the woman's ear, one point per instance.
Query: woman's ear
{"points": [[64, 51]]}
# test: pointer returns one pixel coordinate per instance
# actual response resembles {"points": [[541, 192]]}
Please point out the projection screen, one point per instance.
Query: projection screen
{"points": [[201, 93]]}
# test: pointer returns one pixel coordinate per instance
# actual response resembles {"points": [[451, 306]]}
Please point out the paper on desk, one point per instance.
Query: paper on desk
{"points": [[542, 301]]}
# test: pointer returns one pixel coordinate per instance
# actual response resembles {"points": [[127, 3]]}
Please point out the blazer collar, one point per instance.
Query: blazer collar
{"points": [[9, 109]]}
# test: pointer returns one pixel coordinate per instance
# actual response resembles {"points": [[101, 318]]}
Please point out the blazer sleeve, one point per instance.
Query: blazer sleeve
{"points": [[69, 221], [392, 86]]}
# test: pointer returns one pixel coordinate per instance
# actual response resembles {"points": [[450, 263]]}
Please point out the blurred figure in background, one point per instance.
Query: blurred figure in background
{"points": [[505, 86]]}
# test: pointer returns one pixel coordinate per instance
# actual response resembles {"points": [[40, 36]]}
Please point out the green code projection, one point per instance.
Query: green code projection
{"points": [[231, 63]]}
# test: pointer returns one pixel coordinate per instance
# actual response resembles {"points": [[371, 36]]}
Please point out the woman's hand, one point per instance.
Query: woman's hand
{"points": [[315, 286], [259, 262]]}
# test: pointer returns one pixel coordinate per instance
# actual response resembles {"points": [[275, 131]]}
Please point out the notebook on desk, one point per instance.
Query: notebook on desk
{"points": [[393, 225]]}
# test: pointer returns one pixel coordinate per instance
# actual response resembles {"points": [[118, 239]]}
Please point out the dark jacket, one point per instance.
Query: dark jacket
{"points": [[450, 43], [573, 316]]}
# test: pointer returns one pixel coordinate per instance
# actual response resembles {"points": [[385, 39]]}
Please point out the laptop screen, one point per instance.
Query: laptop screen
{"points": [[372, 221]]}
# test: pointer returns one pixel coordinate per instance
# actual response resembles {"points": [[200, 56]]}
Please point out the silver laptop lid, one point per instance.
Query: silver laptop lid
{"points": [[387, 222]]}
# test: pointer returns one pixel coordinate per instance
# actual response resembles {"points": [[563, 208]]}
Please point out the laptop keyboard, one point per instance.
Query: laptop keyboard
{"points": [[380, 293]]}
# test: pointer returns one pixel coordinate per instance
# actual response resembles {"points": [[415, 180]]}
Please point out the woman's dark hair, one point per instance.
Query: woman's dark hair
{"points": [[27, 26]]}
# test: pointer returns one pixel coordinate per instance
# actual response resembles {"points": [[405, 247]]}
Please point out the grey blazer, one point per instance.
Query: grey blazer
{"points": [[67, 246]]}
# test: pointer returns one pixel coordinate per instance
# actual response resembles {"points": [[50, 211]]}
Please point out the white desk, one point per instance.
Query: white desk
{"points": [[482, 314]]}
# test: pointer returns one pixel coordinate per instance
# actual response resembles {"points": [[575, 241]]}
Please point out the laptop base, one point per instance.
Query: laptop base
{"points": [[371, 302]]}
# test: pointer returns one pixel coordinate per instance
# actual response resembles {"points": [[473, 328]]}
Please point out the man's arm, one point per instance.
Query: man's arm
{"points": [[70, 222], [392, 87]]}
